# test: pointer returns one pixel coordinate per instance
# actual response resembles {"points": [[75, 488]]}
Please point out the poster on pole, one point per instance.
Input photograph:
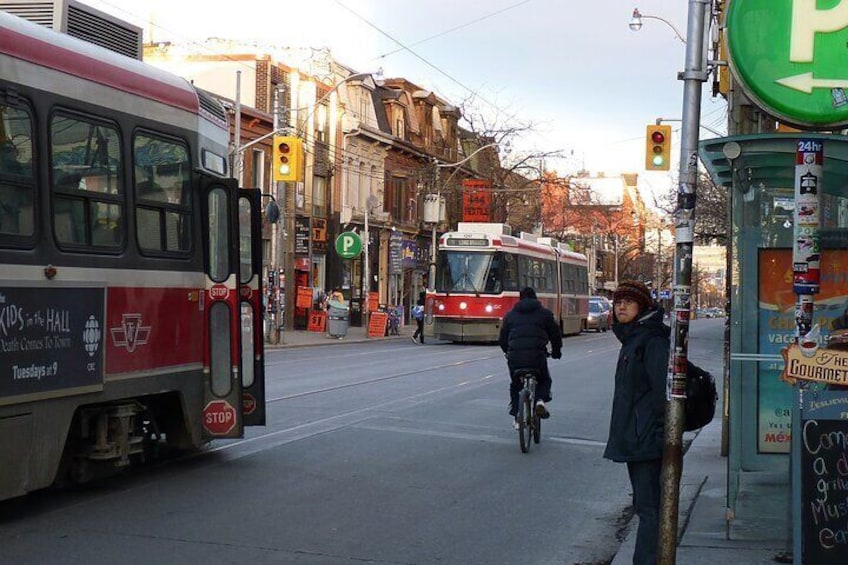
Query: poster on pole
{"points": [[373, 301], [304, 297]]}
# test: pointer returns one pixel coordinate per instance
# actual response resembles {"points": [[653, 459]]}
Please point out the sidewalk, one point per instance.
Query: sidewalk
{"points": [[303, 338], [708, 537]]}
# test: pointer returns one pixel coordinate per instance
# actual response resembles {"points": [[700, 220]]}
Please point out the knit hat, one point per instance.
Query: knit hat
{"points": [[636, 291], [527, 292]]}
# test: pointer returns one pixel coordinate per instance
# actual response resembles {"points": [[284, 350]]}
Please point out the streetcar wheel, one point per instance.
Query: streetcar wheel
{"points": [[525, 413]]}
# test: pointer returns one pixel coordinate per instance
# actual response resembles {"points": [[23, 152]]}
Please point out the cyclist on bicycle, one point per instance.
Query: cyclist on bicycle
{"points": [[525, 333]]}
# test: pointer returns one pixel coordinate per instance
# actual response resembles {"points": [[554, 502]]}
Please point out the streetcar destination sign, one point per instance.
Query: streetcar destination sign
{"points": [[468, 242], [790, 57]]}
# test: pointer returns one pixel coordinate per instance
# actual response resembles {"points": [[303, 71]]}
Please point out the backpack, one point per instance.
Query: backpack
{"points": [[701, 397]]}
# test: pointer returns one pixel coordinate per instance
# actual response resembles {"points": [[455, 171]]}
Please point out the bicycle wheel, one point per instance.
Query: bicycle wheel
{"points": [[537, 427], [525, 420]]}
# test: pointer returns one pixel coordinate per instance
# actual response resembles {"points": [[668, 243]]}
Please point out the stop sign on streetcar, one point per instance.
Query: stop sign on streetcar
{"points": [[219, 417]]}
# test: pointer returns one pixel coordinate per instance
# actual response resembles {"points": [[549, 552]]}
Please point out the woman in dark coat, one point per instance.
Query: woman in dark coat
{"points": [[638, 406]]}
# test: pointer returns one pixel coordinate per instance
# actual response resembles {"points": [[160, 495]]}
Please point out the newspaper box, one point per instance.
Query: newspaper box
{"points": [[338, 318]]}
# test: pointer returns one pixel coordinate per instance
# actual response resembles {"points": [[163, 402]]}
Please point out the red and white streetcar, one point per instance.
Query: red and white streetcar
{"points": [[481, 267], [129, 264]]}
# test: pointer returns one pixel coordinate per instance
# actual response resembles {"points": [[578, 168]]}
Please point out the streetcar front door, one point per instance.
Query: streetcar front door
{"points": [[252, 311], [222, 390]]}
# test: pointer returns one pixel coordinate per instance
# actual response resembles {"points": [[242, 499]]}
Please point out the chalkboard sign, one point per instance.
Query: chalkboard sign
{"points": [[820, 477]]}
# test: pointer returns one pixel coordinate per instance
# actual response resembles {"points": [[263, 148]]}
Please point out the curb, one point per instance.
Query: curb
{"points": [[331, 341]]}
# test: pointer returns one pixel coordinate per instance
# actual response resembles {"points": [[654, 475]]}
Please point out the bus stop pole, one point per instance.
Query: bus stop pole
{"points": [[693, 77]]}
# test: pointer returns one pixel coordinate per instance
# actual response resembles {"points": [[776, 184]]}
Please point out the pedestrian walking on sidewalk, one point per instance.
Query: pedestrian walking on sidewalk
{"points": [[418, 314], [638, 407]]}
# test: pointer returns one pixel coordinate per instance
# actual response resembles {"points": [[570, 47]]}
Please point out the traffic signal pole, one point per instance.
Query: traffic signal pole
{"points": [[693, 77]]}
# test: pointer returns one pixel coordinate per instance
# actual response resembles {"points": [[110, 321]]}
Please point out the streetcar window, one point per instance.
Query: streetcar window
{"points": [[458, 271], [510, 271], [248, 373], [245, 241], [494, 279], [88, 205], [219, 244], [16, 177], [219, 348], [163, 199]]}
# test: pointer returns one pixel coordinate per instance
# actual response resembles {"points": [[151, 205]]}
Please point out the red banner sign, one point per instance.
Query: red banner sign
{"points": [[304, 297], [476, 200]]}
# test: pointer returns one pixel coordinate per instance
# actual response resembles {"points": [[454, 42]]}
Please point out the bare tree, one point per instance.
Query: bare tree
{"points": [[515, 175], [711, 214]]}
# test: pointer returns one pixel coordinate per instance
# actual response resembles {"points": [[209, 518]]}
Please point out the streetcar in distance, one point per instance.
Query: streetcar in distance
{"points": [[129, 265], [480, 269]]}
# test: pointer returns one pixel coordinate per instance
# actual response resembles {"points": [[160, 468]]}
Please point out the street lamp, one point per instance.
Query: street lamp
{"points": [[238, 149], [636, 23], [432, 276], [370, 203]]}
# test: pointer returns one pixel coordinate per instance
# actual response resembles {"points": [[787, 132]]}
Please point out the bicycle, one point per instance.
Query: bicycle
{"points": [[529, 422]]}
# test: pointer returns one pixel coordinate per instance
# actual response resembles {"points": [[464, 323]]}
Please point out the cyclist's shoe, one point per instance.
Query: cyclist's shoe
{"points": [[515, 425], [542, 410]]}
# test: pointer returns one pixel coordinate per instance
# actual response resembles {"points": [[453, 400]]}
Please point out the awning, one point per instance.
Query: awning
{"points": [[769, 160]]}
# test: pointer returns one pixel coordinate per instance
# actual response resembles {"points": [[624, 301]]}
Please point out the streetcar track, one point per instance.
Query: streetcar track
{"points": [[346, 354], [376, 379], [427, 351], [359, 415], [393, 376]]}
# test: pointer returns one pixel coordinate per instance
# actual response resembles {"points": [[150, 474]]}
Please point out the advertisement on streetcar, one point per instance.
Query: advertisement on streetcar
{"points": [[50, 339]]}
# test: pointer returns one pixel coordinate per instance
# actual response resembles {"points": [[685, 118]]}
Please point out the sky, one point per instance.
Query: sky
{"points": [[572, 70]]}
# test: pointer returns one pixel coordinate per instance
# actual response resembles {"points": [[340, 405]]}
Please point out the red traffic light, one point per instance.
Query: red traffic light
{"points": [[657, 137], [284, 148]]}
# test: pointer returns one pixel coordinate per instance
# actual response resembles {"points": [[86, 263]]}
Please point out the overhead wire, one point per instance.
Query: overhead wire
{"points": [[456, 81]]}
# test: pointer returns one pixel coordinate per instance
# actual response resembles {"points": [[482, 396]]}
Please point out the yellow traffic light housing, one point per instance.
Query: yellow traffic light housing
{"points": [[288, 158], [658, 148]]}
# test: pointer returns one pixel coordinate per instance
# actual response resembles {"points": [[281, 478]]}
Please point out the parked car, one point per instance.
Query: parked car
{"points": [[599, 315], [715, 312]]}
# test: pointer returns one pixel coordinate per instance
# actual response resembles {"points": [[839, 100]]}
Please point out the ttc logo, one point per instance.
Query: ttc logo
{"points": [[130, 333]]}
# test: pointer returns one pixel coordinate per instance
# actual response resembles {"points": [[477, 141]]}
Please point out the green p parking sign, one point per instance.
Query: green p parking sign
{"points": [[348, 245], [791, 58]]}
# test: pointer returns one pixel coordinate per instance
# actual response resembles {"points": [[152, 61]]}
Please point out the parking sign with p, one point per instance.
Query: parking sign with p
{"points": [[348, 245]]}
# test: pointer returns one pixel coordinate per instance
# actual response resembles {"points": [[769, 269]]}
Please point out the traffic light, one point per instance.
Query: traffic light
{"points": [[658, 148], [288, 158]]}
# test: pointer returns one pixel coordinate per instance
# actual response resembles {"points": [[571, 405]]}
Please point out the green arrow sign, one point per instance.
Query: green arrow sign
{"points": [[790, 57], [348, 245]]}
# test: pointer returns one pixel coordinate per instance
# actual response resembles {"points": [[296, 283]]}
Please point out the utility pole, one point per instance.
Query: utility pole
{"points": [[693, 77], [278, 334]]}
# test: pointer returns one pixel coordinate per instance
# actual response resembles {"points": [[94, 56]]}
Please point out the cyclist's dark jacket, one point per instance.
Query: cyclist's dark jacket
{"points": [[638, 404], [525, 333]]}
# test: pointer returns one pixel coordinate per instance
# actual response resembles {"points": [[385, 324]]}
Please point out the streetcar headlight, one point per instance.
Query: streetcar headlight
{"points": [[489, 308], [463, 305], [441, 306]]}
